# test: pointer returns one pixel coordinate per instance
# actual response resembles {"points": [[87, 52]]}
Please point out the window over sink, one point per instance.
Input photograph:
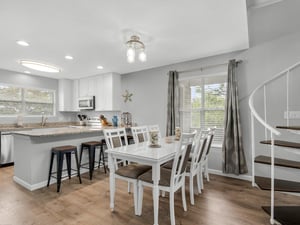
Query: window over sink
{"points": [[16, 100]]}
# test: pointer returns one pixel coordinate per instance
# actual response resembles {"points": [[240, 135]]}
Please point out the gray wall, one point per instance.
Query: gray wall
{"points": [[271, 51], [26, 80]]}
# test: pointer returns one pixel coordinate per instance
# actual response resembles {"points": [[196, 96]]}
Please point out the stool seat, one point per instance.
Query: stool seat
{"points": [[64, 148], [59, 152], [91, 147]]}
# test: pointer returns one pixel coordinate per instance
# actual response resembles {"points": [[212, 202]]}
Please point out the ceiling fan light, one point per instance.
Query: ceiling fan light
{"points": [[130, 52]]}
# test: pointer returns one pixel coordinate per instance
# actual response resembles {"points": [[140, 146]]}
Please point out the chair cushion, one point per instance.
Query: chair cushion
{"points": [[132, 170], [168, 165], [165, 177]]}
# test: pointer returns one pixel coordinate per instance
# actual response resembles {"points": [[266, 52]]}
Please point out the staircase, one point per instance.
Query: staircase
{"points": [[285, 215]]}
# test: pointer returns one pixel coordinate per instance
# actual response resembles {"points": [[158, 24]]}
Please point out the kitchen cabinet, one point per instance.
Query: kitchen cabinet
{"points": [[106, 88], [67, 95], [108, 94]]}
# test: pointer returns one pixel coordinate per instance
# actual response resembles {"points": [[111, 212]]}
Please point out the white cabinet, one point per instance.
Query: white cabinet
{"points": [[106, 89], [67, 95]]}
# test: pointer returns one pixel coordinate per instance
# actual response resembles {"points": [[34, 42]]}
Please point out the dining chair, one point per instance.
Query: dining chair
{"points": [[170, 180], [204, 162], [193, 165], [203, 168], [116, 138], [140, 134]]}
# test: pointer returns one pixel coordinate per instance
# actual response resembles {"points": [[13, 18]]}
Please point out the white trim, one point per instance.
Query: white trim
{"points": [[29, 186], [241, 177]]}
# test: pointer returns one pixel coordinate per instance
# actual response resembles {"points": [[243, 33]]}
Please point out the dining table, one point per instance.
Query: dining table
{"points": [[144, 153]]}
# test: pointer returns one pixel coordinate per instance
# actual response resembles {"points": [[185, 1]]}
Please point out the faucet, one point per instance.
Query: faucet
{"points": [[44, 119]]}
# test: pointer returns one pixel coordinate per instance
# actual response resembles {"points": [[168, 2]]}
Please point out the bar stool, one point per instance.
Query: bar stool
{"points": [[91, 147], [60, 151]]}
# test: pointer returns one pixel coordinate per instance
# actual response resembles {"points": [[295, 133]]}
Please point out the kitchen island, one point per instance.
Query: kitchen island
{"points": [[32, 150]]}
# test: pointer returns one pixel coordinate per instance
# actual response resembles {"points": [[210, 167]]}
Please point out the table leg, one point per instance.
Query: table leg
{"points": [[155, 178], [111, 181]]}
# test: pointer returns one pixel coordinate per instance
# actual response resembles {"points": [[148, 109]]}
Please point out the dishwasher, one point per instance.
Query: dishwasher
{"points": [[6, 149]]}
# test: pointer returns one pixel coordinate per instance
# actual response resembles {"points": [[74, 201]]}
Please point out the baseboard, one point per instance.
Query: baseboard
{"points": [[29, 186], [241, 177]]}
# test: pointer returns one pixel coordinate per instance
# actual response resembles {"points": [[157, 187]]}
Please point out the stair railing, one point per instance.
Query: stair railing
{"points": [[263, 121]]}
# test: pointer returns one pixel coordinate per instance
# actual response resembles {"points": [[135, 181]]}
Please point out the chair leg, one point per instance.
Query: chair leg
{"points": [[68, 160], [172, 211], [78, 166], [163, 193], [128, 187], [198, 182], [183, 197], [59, 159], [140, 197], [191, 189], [206, 171], [91, 161], [80, 156], [50, 169], [135, 197]]}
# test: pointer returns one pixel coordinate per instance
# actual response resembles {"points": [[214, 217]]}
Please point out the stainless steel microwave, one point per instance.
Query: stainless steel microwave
{"points": [[86, 102]]}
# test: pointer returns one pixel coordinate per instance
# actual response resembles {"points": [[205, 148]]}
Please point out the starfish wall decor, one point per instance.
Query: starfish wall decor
{"points": [[127, 96]]}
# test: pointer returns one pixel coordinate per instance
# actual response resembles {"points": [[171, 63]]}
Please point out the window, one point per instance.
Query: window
{"points": [[202, 104], [27, 101]]}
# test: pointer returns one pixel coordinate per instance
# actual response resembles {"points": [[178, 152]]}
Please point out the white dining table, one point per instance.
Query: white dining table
{"points": [[145, 154]]}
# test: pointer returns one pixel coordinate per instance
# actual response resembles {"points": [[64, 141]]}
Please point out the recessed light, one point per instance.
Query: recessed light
{"points": [[23, 43], [100, 67], [39, 66], [26, 71], [69, 57]]}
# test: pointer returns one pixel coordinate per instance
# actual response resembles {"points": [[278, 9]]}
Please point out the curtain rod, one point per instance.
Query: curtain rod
{"points": [[206, 67]]}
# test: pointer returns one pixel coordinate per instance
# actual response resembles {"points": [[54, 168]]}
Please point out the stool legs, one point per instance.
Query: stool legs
{"points": [[101, 155], [59, 159], [78, 166], [91, 160], [50, 169], [68, 160]]}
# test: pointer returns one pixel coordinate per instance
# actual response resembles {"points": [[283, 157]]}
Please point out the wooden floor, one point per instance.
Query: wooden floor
{"points": [[224, 201]]}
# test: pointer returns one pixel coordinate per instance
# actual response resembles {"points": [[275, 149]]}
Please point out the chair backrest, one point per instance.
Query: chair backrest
{"points": [[115, 137], [154, 128], [211, 134], [181, 158], [140, 134], [199, 147]]}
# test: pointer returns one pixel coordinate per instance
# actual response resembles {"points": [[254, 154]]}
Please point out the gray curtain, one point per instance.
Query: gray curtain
{"points": [[173, 103], [233, 153]]}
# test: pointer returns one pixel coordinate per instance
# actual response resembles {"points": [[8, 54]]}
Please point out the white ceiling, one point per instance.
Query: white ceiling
{"points": [[94, 32]]}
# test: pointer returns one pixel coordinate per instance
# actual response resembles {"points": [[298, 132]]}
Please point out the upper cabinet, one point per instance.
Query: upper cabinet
{"points": [[106, 89], [67, 95]]}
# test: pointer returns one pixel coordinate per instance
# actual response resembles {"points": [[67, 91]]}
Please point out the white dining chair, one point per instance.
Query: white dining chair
{"points": [[170, 180], [204, 162], [116, 138], [203, 169], [193, 166], [140, 134]]}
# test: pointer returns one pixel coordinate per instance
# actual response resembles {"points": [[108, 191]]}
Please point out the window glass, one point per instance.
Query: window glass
{"points": [[26, 101], [202, 104]]}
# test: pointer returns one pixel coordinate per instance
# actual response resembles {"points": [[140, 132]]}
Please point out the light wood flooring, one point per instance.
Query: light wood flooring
{"points": [[224, 201]]}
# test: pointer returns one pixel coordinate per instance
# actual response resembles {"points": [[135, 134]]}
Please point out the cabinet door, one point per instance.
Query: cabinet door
{"points": [[108, 91], [64, 95], [91, 86], [83, 87], [99, 94]]}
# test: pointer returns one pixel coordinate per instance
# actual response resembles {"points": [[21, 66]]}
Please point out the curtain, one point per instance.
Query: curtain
{"points": [[173, 103], [233, 153]]}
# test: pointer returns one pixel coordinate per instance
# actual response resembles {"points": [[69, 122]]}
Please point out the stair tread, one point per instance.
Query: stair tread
{"points": [[289, 127], [264, 183], [288, 144], [286, 215], [277, 161]]}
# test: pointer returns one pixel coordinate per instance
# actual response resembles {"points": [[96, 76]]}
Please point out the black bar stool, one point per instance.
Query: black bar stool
{"points": [[60, 151], [91, 147]]}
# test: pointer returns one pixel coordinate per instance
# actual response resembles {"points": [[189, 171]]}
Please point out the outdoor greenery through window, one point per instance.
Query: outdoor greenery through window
{"points": [[202, 104], [26, 101]]}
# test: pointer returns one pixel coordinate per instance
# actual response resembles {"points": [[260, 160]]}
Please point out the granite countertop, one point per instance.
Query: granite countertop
{"points": [[57, 131], [30, 126]]}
